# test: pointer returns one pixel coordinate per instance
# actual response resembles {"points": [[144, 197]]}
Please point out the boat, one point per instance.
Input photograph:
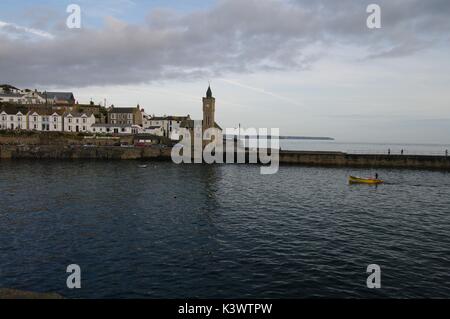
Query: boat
{"points": [[359, 180], [143, 166]]}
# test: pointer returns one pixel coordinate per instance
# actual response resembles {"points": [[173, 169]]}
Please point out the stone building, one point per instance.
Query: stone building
{"points": [[125, 115], [198, 128]]}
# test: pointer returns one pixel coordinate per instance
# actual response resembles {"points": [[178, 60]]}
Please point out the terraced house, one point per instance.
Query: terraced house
{"points": [[125, 115], [78, 122], [46, 120], [13, 118]]}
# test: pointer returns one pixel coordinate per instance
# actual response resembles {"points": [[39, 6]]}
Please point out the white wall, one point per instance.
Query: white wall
{"points": [[83, 123], [13, 121]]}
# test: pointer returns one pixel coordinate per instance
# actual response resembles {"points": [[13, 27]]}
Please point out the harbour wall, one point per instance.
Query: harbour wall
{"points": [[365, 160], [336, 159], [81, 152]]}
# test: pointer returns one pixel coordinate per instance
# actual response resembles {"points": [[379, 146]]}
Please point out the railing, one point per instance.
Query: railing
{"points": [[397, 152]]}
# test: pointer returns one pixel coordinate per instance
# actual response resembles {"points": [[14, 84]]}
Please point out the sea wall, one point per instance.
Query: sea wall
{"points": [[155, 152], [59, 139], [79, 152], [361, 160]]}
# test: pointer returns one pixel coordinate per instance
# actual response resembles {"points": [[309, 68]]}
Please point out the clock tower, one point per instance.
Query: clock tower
{"points": [[209, 110]]}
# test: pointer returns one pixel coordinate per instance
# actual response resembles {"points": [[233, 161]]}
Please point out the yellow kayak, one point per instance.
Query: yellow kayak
{"points": [[359, 180]]}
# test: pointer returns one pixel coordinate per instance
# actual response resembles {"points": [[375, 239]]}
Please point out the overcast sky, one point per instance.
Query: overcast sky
{"points": [[311, 68]]}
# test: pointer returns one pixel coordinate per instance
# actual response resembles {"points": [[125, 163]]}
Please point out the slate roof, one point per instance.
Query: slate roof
{"points": [[13, 109], [46, 111], [66, 96], [122, 110], [76, 114], [170, 118], [189, 124], [7, 86], [114, 125]]}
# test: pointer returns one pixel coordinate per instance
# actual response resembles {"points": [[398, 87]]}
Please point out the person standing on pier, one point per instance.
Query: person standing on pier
{"points": [[389, 151], [402, 152], [446, 153]]}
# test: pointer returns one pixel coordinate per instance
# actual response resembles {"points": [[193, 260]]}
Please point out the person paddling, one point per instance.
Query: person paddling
{"points": [[376, 175]]}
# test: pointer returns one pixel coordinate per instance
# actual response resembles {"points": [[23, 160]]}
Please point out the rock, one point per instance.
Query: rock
{"points": [[18, 294]]}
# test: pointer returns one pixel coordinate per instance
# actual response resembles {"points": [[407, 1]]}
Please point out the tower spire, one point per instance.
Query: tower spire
{"points": [[209, 92]]}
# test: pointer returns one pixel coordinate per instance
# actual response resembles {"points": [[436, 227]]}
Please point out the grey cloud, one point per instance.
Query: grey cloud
{"points": [[234, 36]]}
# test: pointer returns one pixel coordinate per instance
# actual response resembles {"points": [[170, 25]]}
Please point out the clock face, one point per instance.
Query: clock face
{"points": [[207, 104]]}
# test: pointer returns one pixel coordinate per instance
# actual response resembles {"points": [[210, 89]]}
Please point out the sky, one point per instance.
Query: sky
{"points": [[310, 68]]}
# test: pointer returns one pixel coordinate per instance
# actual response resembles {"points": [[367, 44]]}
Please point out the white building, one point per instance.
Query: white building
{"points": [[125, 129], [6, 88], [11, 94], [45, 121], [168, 126], [154, 130], [14, 119], [15, 98], [78, 122], [32, 97]]}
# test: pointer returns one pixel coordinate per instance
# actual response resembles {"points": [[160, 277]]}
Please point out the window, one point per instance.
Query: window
{"points": [[35, 126], [55, 119], [107, 130], [35, 119], [70, 128], [12, 118], [70, 120], [54, 127], [84, 120], [78, 121], [84, 128], [123, 129]]}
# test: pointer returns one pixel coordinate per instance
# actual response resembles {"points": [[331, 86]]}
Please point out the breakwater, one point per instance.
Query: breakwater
{"points": [[365, 160], [337, 159]]}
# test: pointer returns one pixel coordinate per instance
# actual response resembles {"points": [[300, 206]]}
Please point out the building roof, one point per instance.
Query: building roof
{"points": [[46, 111], [67, 96], [123, 109], [190, 124], [209, 92], [7, 86], [76, 114], [113, 125], [13, 109], [170, 118]]}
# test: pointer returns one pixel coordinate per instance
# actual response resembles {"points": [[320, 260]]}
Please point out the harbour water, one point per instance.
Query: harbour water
{"points": [[222, 231]]}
